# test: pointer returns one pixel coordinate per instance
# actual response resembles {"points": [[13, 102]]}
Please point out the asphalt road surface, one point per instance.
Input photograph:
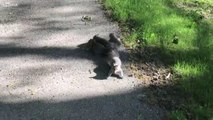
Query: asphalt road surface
{"points": [[45, 76]]}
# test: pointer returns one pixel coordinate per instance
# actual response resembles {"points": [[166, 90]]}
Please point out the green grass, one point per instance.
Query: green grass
{"points": [[158, 23], [155, 22], [192, 69]]}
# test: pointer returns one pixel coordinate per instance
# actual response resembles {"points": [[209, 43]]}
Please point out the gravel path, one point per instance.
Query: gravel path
{"points": [[44, 76]]}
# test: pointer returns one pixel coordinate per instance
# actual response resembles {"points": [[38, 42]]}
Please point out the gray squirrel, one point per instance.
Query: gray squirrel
{"points": [[109, 50]]}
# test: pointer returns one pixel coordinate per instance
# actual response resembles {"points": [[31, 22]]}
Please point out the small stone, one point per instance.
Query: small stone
{"points": [[155, 74], [155, 77]]}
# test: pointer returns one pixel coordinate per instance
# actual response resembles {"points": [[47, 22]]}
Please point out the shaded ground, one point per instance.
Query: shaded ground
{"points": [[43, 75], [112, 107]]}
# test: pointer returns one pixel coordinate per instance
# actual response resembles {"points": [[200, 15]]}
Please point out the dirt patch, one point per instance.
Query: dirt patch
{"points": [[148, 66], [154, 71], [199, 9]]}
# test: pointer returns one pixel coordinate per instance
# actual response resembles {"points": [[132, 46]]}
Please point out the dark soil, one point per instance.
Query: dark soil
{"points": [[152, 68], [146, 65]]}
